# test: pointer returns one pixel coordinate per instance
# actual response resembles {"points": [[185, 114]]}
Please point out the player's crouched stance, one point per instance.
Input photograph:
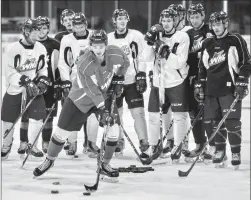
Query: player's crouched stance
{"points": [[100, 73], [225, 68], [26, 75]]}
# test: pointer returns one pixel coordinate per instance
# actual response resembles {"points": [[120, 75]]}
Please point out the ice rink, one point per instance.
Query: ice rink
{"points": [[205, 182]]}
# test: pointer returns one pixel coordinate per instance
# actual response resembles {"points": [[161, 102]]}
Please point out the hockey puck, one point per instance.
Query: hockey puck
{"points": [[87, 193], [56, 183], [54, 191], [76, 156]]}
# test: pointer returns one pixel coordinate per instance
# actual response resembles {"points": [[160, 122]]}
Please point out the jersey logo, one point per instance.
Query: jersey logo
{"points": [[125, 49], [217, 58], [197, 44], [28, 65]]}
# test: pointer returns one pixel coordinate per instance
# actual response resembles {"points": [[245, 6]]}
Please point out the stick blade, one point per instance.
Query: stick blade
{"points": [[183, 174], [91, 188]]}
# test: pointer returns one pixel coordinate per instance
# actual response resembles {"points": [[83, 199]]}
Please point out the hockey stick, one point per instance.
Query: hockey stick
{"points": [[41, 129], [168, 130], [185, 174], [100, 157], [144, 162], [19, 116], [189, 130]]}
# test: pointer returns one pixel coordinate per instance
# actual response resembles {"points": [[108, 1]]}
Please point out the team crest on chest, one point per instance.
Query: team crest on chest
{"points": [[28, 65], [217, 58]]}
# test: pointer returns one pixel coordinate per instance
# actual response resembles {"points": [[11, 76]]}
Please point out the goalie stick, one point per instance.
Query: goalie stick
{"points": [[94, 187], [185, 173]]}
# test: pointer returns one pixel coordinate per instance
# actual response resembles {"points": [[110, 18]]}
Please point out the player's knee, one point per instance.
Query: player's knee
{"points": [[233, 125], [154, 118], [215, 124], [137, 113], [113, 135], [61, 134], [180, 116], [35, 122]]}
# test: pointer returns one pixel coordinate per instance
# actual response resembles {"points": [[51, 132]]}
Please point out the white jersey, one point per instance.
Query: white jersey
{"points": [[174, 70], [130, 42], [24, 60], [186, 28], [70, 47]]}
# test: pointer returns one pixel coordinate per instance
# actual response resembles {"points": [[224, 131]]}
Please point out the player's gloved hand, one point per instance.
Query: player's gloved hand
{"points": [[151, 35], [199, 93], [141, 84], [241, 87], [162, 50], [105, 117], [66, 87], [31, 88], [43, 83], [57, 95], [117, 85], [150, 75]]}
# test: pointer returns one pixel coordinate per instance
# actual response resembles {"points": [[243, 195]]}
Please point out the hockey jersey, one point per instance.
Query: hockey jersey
{"points": [[132, 44], [60, 35], [93, 79], [222, 60], [24, 60], [51, 45], [196, 39], [70, 47], [174, 70]]}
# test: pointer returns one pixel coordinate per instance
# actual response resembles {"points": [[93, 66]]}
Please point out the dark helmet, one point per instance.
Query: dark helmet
{"points": [[120, 12], [66, 13], [29, 25], [194, 9], [168, 13], [178, 7], [218, 17], [43, 20], [79, 18], [98, 36]]}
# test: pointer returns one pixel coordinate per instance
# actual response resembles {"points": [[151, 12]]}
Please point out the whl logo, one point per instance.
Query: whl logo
{"points": [[197, 44], [217, 58], [28, 65]]}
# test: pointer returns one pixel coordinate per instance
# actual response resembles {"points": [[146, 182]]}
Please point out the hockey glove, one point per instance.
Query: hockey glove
{"points": [[31, 88], [105, 117], [199, 94], [117, 85], [150, 75], [241, 87], [141, 84], [151, 35], [57, 95], [43, 83], [66, 87], [161, 49]]}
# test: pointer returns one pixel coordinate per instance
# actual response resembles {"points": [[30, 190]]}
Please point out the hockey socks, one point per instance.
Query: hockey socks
{"points": [[199, 132], [47, 131], [55, 146], [24, 130]]}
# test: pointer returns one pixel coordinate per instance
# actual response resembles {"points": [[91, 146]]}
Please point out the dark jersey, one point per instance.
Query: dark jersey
{"points": [[60, 35], [196, 39], [222, 60], [51, 45]]}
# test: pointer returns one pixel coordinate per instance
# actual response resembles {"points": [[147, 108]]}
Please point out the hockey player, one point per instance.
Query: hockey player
{"points": [[226, 56], [199, 32], [66, 20], [26, 75], [100, 72], [170, 70], [70, 47], [132, 43], [53, 93]]}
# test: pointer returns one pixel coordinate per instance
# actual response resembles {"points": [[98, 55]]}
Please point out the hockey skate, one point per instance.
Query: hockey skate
{"points": [[93, 150], [66, 146], [208, 154], [185, 153], [146, 152], [45, 146], [236, 160], [108, 174], [120, 147], [195, 152], [5, 151], [72, 149], [86, 148], [220, 159], [175, 155], [45, 166], [22, 149], [167, 149]]}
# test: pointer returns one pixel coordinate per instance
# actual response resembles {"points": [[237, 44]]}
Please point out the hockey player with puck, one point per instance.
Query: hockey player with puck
{"points": [[26, 75], [169, 49], [100, 74], [224, 71]]}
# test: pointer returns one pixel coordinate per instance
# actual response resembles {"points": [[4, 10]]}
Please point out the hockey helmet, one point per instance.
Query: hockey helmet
{"points": [[194, 9], [218, 17], [29, 25], [98, 36], [66, 13], [43, 20], [168, 13], [120, 12], [79, 18]]}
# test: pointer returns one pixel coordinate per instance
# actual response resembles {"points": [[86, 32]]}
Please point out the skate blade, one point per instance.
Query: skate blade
{"points": [[161, 161], [188, 160], [167, 155], [118, 154], [208, 161], [22, 156], [221, 165], [92, 156], [175, 161], [109, 179], [236, 167]]}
